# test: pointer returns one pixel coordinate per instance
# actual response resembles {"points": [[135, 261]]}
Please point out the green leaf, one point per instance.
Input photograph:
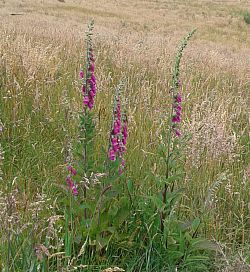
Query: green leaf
{"points": [[173, 197], [171, 240], [196, 258], [205, 244], [113, 210], [195, 224], [157, 201], [188, 237], [101, 242], [171, 179], [175, 255], [123, 211], [130, 186], [185, 225], [78, 238], [87, 206]]}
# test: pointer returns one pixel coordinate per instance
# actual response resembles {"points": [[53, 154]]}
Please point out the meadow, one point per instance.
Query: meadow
{"points": [[121, 222]]}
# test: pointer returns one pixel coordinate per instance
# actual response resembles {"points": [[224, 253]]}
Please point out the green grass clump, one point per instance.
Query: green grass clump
{"points": [[246, 16]]}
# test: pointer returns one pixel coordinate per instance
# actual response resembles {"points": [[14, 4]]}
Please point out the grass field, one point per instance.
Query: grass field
{"points": [[42, 49]]}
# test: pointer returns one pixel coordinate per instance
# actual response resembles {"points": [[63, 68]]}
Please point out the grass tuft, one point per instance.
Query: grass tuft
{"points": [[246, 16]]}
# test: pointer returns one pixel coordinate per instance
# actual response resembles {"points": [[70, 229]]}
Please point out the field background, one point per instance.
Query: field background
{"points": [[42, 49]]}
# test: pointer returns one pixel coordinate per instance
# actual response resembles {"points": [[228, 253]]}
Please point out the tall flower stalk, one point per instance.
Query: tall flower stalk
{"points": [[175, 89], [119, 130], [89, 79], [174, 121], [87, 127]]}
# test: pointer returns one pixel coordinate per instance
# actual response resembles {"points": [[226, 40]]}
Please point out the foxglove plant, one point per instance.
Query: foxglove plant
{"points": [[174, 126], [119, 131], [89, 91], [87, 126]]}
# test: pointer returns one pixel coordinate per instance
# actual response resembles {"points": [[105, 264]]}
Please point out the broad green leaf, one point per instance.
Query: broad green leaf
{"points": [[196, 223]]}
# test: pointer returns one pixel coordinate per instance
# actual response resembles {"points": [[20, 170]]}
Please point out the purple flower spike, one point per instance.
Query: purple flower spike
{"points": [[69, 180], [89, 86], [176, 118], [119, 134]]}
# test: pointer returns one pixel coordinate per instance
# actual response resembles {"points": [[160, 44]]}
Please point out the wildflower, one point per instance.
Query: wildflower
{"points": [[69, 180], [120, 171], [176, 118], [89, 85], [86, 100], [177, 133], [74, 191], [116, 136], [115, 144], [112, 155], [178, 98], [119, 132], [81, 74], [72, 170]]}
